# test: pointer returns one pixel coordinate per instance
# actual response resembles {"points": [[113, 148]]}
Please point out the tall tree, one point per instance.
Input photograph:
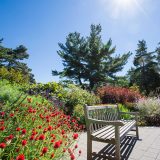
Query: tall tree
{"points": [[13, 58], [89, 59], [145, 73]]}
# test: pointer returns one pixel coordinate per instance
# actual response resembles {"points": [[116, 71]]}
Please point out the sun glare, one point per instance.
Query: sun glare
{"points": [[124, 8]]}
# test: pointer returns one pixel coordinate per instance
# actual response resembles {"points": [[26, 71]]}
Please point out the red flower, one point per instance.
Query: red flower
{"points": [[24, 131], [41, 137], [75, 136], [44, 150], [20, 157], [32, 137], [2, 128], [2, 113], [24, 142], [72, 156], [2, 145], [50, 128], [11, 115], [80, 151], [10, 137], [63, 132], [57, 144], [18, 129]]}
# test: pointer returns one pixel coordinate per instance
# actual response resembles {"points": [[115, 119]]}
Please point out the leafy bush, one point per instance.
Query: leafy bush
{"points": [[78, 112], [13, 75], [77, 96], [9, 92], [35, 129], [122, 108], [150, 111], [110, 94]]}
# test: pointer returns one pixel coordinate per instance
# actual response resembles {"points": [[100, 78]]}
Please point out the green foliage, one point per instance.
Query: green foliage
{"points": [[122, 108], [77, 96], [50, 88], [146, 72], [14, 75], [9, 93], [78, 112], [149, 109], [13, 59], [89, 59]]}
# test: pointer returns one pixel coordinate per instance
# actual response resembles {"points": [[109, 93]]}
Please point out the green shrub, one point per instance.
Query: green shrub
{"points": [[9, 92], [13, 75], [77, 96], [122, 108], [78, 112], [149, 109]]}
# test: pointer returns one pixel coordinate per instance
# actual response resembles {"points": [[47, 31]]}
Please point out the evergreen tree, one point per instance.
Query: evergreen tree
{"points": [[89, 59], [158, 56], [145, 73], [12, 59]]}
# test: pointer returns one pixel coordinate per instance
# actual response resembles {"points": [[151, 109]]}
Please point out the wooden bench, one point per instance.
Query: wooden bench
{"points": [[104, 124]]}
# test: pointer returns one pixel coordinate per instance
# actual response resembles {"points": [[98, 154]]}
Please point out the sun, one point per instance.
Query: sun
{"points": [[123, 8]]}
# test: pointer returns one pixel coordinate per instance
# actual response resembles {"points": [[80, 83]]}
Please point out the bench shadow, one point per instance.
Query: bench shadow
{"points": [[108, 152]]}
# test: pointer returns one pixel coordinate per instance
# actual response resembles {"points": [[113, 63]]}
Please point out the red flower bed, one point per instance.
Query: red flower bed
{"points": [[36, 130], [110, 94]]}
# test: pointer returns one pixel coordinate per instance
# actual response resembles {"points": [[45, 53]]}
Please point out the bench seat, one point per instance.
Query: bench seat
{"points": [[107, 133]]}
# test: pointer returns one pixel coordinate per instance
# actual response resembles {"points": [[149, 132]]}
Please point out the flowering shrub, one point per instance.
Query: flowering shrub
{"points": [[36, 130], [110, 94], [149, 109]]}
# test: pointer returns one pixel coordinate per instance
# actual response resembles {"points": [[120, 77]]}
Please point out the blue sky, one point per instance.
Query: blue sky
{"points": [[41, 24]]}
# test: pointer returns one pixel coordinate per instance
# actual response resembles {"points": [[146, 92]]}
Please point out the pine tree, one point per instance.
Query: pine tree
{"points": [[89, 59], [13, 59], [145, 73]]}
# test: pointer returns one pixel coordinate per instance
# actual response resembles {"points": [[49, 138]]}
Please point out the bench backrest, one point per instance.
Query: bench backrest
{"points": [[107, 113]]}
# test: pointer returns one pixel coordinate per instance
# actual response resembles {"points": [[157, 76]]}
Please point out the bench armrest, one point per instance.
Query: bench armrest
{"points": [[114, 123]]}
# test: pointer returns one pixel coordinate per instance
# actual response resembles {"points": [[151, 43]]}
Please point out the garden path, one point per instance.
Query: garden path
{"points": [[147, 148]]}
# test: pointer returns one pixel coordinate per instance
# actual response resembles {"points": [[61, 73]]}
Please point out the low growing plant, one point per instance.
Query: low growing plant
{"points": [[149, 109], [37, 130]]}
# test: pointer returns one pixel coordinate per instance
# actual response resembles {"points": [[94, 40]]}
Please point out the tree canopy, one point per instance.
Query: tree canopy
{"points": [[146, 73], [88, 59], [13, 59]]}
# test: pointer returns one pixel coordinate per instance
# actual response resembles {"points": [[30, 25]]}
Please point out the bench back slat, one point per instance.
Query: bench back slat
{"points": [[108, 113]]}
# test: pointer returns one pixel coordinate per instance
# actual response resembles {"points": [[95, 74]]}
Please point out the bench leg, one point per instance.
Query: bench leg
{"points": [[117, 143], [89, 148], [137, 133]]}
